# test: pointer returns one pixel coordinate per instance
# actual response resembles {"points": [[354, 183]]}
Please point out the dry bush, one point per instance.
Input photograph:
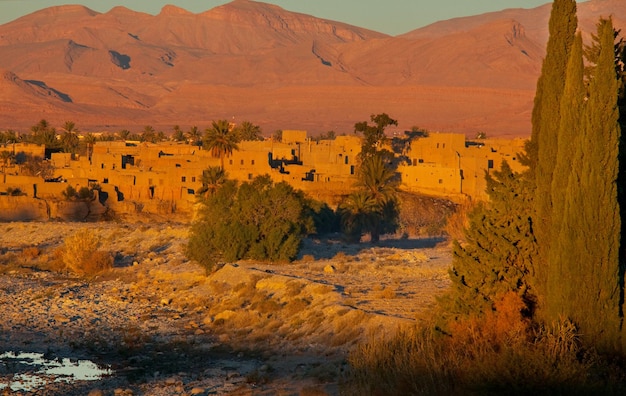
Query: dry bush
{"points": [[31, 252], [498, 353], [81, 256], [97, 262], [386, 293]]}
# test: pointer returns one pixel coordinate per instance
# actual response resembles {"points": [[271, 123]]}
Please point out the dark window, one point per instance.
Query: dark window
{"points": [[414, 161], [352, 169], [252, 162], [193, 179], [490, 164], [183, 179], [347, 160]]}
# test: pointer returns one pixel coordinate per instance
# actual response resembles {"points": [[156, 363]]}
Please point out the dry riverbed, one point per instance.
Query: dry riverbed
{"points": [[162, 327]]}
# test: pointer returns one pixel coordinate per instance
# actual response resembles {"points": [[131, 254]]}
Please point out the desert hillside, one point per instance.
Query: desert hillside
{"points": [[253, 61]]}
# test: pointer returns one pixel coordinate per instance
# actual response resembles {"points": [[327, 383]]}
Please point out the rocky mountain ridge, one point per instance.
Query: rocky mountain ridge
{"points": [[253, 61]]}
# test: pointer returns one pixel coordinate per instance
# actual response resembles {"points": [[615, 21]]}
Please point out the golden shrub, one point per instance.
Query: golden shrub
{"points": [[81, 256], [31, 252]]}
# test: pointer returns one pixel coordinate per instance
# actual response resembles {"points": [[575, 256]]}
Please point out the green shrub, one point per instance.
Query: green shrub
{"points": [[259, 220]]}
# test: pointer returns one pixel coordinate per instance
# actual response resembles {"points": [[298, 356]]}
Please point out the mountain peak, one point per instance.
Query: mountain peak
{"points": [[169, 9], [73, 11]]}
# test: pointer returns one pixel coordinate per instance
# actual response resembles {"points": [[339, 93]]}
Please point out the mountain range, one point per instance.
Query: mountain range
{"points": [[251, 61]]}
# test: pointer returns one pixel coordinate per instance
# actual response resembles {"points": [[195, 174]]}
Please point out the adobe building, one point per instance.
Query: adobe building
{"points": [[447, 165], [134, 178]]}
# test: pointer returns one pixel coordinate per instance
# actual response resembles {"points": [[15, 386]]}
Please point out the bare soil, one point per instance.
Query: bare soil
{"points": [[165, 327]]}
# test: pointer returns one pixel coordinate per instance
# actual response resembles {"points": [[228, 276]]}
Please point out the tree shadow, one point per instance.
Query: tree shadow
{"points": [[328, 247]]}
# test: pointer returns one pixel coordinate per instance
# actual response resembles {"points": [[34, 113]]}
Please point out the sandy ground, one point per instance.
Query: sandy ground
{"points": [[166, 328]]}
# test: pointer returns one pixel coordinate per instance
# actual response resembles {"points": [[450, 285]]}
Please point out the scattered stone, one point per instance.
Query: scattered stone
{"points": [[329, 269], [95, 392], [61, 319], [166, 301], [171, 381], [197, 391]]}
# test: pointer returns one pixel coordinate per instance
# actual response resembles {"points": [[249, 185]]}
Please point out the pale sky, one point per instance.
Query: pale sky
{"points": [[385, 16]]}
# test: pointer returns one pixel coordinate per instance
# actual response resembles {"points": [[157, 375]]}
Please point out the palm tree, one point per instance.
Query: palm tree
{"points": [[124, 134], [194, 137], [90, 141], [178, 135], [148, 134], [358, 214], [377, 179], [248, 131], [212, 179], [220, 140], [5, 157], [69, 139], [373, 208]]}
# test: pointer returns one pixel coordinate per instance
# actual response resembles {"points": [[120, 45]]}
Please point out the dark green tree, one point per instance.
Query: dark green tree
{"points": [[374, 138], [373, 208], [497, 255], [572, 108], [541, 150], [258, 220], [589, 240]]}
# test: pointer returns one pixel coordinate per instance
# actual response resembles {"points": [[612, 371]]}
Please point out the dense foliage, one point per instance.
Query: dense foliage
{"points": [[497, 256], [258, 220]]}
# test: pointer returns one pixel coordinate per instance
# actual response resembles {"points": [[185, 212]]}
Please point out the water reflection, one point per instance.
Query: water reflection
{"points": [[26, 371]]}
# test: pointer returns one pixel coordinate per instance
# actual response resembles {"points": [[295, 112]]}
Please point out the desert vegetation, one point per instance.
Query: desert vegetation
{"points": [[537, 293]]}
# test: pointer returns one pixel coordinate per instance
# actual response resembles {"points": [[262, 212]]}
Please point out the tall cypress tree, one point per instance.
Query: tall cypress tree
{"points": [[559, 257], [590, 231], [541, 150]]}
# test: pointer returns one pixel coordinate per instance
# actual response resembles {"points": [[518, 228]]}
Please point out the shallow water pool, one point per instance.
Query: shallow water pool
{"points": [[27, 371]]}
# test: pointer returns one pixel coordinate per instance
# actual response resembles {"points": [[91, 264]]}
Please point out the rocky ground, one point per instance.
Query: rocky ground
{"points": [[166, 328]]}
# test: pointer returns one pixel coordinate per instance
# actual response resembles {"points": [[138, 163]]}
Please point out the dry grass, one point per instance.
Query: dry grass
{"points": [[494, 354]]}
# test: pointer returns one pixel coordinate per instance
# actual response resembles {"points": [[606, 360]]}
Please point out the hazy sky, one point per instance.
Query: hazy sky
{"points": [[386, 16]]}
